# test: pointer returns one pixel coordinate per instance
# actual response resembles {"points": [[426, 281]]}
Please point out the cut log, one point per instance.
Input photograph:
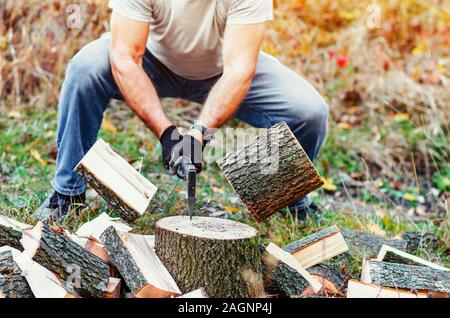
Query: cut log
{"points": [[363, 245], [114, 288], [271, 172], [318, 247], [85, 272], [358, 289], [116, 181], [12, 283], [331, 279], [91, 245], [199, 293], [292, 262], [393, 255], [220, 255], [43, 283], [139, 265], [410, 277], [417, 241], [11, 232], [95, 228]]}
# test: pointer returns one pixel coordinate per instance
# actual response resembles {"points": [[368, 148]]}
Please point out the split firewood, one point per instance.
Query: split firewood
{"points": [[43, 283], [11, 232], [199, 293], [393, 255], [410, 277], [51, 248], [363, 245], [318, 247], [220, 255], [116, 181], [139, 265], [95, 228], [358, 289], [91, 245], [292, 262], [12, 283], [114, 288], [270, 172]]}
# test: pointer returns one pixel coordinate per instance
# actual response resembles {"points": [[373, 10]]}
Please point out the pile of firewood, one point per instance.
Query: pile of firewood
{"points": [[207, 256]]}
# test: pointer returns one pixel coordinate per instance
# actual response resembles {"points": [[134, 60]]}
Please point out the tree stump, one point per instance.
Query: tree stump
{"points": [[220, 255], [271, 172]]}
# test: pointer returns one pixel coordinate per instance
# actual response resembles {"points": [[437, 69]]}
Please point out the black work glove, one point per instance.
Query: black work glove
{"points": [[170, 137], [189, 148]]}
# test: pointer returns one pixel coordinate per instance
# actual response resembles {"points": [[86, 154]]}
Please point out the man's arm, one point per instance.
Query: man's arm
{"points": [[129, 39], [242, 44]]}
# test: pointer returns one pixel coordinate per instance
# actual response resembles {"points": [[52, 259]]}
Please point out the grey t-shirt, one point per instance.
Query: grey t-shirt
{"points": [[187, 35]]}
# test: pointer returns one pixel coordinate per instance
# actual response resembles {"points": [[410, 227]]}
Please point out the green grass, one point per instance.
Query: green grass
{"points": [[25, 180]]}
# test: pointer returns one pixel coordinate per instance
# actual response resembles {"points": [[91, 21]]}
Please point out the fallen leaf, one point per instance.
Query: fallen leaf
{"points": [[375, 229], [231, 209], [410, 197], [36, 155], [328, 185], [108, 125], [401, 117]]}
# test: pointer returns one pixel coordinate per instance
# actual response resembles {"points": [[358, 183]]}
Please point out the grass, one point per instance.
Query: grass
{"points": [[387, 153]]}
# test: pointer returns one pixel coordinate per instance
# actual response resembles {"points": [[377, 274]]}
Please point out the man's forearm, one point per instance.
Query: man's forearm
{"points": [[225, 98], [140, 94]]}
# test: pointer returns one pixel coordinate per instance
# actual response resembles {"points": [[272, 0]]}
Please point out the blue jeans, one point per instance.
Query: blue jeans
{"points": [[276, 94]]}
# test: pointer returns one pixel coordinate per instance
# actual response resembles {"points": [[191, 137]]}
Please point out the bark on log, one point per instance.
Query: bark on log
{"points": [[417, 241], [49, 247], [116, 181], [363, 245], [12, 283], [318, 247], [220, 255], [271, 172], [358, 289], [290, 283], [11, 232], [138, 264], [402, 276], [393, 255], [10, 237]]}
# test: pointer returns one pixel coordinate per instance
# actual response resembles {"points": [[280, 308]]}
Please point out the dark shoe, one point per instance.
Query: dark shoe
{"points": [[57, 206], [312, 211]]}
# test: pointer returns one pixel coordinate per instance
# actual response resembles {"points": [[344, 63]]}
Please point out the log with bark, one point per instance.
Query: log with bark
{"points": [[410, 277], [363, 245], [393, 255], [82, 270], [42, 282], [116, 181], [96, 227], [12, 283], [318, 247], [358, 289], [417, 241], [139, 265], [271, 172], [220, 255], [11, 232]]}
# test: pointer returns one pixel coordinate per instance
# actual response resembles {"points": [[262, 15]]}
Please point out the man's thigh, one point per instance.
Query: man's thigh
{"points": [[278, 94]]}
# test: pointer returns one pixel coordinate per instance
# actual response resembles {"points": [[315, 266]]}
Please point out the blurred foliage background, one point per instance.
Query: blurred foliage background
{"points": [[383, 66]]}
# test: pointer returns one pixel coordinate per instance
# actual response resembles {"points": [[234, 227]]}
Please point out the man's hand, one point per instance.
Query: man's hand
{"points": [[169, 138], [190, 148]]}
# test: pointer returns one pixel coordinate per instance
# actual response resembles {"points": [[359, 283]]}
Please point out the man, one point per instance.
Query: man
{"points": [[205, 51]]}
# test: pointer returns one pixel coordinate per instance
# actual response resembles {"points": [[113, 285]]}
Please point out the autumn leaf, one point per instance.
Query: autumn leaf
{"points": [[108, 126], [342, 61], [401, 117], [328, 185], [231, 209], [36, 155], [410, 197], [15, 115], [375, 229]]}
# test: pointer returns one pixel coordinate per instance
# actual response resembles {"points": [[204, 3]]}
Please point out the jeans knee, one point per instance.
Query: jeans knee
{"points": [[89, 63], [312, 115]]}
